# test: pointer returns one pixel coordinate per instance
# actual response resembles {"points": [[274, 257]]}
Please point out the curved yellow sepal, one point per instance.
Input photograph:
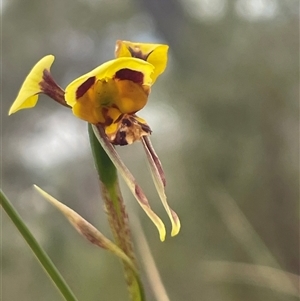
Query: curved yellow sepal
{"points": [[28, 94], [175, 224], [159, 183], [155, 54]]}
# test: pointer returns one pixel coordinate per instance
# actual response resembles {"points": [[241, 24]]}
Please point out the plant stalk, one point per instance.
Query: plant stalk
{"points": [[116, 212]]}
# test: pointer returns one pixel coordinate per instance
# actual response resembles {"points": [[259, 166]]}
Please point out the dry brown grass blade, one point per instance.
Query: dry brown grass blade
{"points": [[245, 234], [263, 276], [150, 268]]}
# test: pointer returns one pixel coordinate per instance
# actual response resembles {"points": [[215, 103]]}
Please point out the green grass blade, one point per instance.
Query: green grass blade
{"points": [[41, 255]]}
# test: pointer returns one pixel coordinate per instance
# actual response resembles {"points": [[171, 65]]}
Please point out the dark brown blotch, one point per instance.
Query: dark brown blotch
{"points": [[140, 195], [139, 54], [52, 89], [126, 122], [85, 86], [128, 74], [119, 118], [108, 119], [120, 138]]}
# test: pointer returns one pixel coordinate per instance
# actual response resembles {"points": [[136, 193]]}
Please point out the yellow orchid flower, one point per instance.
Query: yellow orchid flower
{"points": [[38, 81], [108, 97], [119, 86], [155, 54]]}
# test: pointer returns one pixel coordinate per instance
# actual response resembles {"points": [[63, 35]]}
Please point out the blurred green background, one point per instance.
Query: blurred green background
{"points": [[225, 120]]}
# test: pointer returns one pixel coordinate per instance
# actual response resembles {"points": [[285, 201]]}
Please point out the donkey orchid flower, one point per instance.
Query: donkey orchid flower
{"points": [[109, 97]]}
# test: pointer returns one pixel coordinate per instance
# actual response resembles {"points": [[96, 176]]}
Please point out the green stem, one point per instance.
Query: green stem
{"points": [[41, 255], [117, 216]]}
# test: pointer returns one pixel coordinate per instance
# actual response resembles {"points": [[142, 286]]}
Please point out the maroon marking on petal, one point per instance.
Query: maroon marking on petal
{"points": [[147, 144], [119, 118], [145, 127], [139, 54], [85, 86], [141, 195], [120, 138], [126, 122], [128, 74], [52, 89], [108, 120]]}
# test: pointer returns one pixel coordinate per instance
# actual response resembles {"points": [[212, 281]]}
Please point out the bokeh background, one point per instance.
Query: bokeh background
{"points": [[225, 125]]}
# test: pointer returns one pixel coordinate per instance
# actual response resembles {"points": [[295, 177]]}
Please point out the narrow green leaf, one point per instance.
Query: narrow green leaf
{"points": [[41, 255]]}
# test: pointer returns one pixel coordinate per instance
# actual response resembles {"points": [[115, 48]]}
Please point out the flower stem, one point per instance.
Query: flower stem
{"points": [[117, 216], [41, 255]]}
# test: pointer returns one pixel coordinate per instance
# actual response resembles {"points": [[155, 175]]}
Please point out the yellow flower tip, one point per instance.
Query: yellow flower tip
{"points": [[160, 182], [175, 231], [123, 83], [28, 94], [176, 228], [162, 234], [155, 54], [175, 222]]}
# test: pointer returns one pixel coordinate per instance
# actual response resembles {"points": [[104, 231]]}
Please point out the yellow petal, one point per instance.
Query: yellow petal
{"points": [[155, 54], [86, 106], [131, 96], [122, 49], [121, 83], [107, 97], [108, 71], [158, 58], [28, 94]]}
